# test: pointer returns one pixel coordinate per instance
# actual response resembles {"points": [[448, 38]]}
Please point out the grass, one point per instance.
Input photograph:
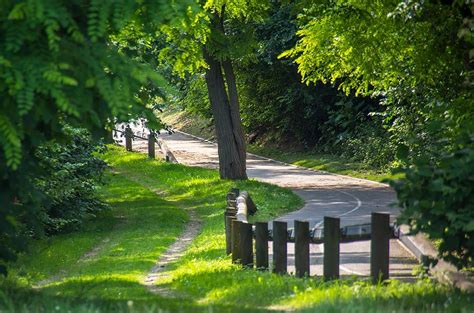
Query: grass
{"points": [[142, 224], [325, 162], [188, 122]]}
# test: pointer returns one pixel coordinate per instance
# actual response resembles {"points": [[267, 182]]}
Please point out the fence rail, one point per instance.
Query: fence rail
{"points": [[151, 139], [242, 237]]}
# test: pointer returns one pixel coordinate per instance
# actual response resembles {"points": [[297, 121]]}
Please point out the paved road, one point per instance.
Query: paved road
{"points": [[325, 194]]}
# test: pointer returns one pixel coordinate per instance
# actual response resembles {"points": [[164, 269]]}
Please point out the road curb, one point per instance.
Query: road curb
{"points": [[169, 155], [443, 271]]}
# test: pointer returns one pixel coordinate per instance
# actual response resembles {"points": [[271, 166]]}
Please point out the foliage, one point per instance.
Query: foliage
{"points": [[418, 57], [58, 65], [184, 49], [275, 105], [69, 181], [437, 199], [414, 54], [375, 46]]}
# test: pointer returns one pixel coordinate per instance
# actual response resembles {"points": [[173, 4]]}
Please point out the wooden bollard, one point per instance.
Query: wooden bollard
{"points": [[331, 248], [235, 191], [302, 248], [228, 232], [231, 199], [110, 136], [261, 245], [229, 211], [280, 251], [231, 196], [151, 146], [128, 138], [246, 245], [236, 241], [380, 247]]}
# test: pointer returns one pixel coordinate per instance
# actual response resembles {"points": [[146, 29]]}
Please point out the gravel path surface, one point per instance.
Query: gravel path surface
{"points": [[325, 194]]}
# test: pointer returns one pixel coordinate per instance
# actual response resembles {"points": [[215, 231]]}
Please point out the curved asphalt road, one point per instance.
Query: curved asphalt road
{"points": [[325, 194]]}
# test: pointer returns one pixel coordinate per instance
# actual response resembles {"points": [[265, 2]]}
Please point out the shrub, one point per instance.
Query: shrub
{"points": [[71, 173], [437, 198]]}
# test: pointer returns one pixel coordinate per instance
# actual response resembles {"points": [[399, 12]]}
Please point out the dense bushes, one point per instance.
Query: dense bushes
{"points": [[71, 172], [57, 197], [60, 62], [437, 199]]}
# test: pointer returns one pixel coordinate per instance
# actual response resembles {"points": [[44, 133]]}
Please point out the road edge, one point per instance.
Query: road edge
{"points": [[417, 244], [443, 271], [289, 164]]}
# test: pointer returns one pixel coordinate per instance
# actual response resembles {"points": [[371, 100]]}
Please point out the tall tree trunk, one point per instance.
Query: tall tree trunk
{"points": [[225, 109], [234, 108]]}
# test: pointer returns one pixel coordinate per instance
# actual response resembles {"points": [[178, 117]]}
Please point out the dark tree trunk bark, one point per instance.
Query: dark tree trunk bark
{"points": [[225, 109], [234, 108]]}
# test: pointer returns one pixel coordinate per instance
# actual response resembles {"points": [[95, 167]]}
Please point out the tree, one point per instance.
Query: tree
{"points": [[217, 37], [222, 88], [418, 56], [58, 65]]}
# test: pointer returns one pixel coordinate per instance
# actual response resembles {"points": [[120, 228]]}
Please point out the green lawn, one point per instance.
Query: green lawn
{"points": [[325, 162], [139, 227]]}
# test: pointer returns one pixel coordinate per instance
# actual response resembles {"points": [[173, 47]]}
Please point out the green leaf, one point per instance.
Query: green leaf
{"points": [[469, 227], [402, 152]]}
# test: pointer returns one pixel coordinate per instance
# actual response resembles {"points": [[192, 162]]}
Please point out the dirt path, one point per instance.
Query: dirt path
{"points": [[172, 254], [160, 270]]}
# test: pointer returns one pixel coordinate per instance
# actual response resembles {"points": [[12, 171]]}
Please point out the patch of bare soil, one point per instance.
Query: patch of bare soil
{"points": [[172, 254]]}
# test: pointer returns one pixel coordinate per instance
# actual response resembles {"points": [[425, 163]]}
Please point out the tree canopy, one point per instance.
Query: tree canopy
{"points": [[59, 66]]}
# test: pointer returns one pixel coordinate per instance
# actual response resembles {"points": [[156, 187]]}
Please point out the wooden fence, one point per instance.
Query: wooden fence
{"points": [[151, 139], [248, 244]]}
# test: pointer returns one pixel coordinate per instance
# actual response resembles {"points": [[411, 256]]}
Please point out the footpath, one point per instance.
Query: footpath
{"points": [[325, 194]]}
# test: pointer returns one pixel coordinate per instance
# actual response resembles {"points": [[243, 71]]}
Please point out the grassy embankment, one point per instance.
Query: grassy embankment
{"points": [[100, 267], [198, 126]]}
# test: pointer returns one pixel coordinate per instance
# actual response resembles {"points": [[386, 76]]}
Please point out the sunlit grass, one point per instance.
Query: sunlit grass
{"points": [[325, 162], [205, 275], [141, 225]]}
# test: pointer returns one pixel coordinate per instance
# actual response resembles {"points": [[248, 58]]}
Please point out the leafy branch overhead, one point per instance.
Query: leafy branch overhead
{"points": [[56, 61], [59, 66]]}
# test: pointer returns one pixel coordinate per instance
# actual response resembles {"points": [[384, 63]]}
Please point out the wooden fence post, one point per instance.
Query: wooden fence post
{"points": [[280, 250], [261, 245], [331, 248], [128, 138], [151, 146], [231, 202], [228, 232], [229, 212], [236, 241], [246, 245], [302, 240], [380, 247], [235, 191]]}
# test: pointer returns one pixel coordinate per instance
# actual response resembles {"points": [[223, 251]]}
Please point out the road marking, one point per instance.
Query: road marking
{"points": [[345, 269], [357, 207], [342, 267]]}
